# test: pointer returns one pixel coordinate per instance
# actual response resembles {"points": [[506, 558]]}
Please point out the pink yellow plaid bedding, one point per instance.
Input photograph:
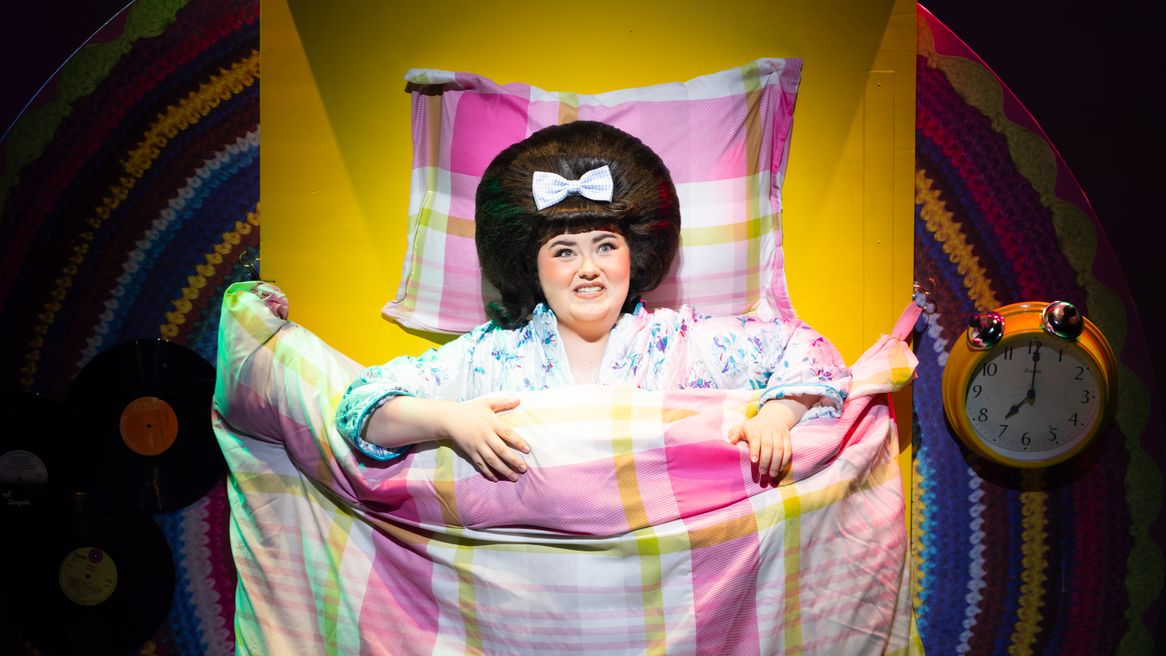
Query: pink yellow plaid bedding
{"points": [[638, 528], [724, 137]]}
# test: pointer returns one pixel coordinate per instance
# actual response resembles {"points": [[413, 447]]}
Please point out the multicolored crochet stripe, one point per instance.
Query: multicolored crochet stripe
{"points": [[128, 191], [1056, 561]]}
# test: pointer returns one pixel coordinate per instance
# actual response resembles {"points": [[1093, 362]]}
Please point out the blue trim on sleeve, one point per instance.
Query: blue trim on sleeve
{"points": [[380, 453], [369, 449], [829, 394]]}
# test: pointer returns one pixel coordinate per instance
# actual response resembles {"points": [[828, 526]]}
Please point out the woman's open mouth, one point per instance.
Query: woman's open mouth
{"points": [[589, 291]]}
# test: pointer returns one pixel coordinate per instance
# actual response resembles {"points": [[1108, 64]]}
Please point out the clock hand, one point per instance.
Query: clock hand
{"points": [[1031, 397], [1014, 409]]}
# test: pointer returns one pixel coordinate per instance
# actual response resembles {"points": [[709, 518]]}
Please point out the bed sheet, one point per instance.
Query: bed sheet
{"points": [[637, 529]]}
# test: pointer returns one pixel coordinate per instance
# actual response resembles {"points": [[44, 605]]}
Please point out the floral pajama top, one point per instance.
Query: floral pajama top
{"points": [[652, 350]]}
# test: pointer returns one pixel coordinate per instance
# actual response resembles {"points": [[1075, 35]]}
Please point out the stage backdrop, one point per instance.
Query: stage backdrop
{"points": [[337, 153], [128, 191], [1059, 561], [130, 188], [337, 140]]}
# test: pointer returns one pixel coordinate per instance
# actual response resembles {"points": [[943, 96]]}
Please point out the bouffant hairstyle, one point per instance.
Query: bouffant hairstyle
{"points": [[510, 229]]}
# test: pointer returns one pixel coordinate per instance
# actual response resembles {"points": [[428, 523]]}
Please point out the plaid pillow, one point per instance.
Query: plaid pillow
{"points": [[724, 137]]}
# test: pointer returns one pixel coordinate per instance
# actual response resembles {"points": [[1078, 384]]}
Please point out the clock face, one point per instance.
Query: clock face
{"points": [[1035, 397]]}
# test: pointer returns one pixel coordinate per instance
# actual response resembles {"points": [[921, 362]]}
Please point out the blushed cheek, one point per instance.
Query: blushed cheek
{"points": [[623, 269], [545, 273], [552, 279], [626, 269]]}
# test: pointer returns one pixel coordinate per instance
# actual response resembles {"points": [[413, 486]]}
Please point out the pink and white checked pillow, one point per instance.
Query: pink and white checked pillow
{"points": [[724, 137]]}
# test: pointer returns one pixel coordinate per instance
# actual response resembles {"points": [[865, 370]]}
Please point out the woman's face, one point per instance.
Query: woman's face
{"points": [[584, 277]]}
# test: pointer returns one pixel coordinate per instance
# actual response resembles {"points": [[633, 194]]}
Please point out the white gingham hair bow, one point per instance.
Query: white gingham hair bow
{"points": [[550, 188]]}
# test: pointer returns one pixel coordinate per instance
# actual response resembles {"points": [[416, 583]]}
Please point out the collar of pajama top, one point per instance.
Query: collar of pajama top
{"points": [[637, 352], [616, 366]]}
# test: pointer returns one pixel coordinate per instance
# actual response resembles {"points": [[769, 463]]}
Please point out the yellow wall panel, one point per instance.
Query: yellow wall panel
{"points": [[335, 153]]}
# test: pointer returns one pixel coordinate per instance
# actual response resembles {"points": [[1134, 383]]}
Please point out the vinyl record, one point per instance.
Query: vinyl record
{"points": [[95, 578], [36, 435], [147, 403]]}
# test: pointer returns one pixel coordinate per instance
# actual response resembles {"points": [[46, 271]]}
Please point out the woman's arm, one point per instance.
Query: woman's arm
{"points": [[801, 362], [783, 359], [474, 426], [799, 371], [407, 401]]}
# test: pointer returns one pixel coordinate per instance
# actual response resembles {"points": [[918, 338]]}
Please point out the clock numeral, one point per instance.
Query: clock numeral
{"points": [[1025, 439], [1060, 354], [1080, 372], [1008, 352], [1033, 345], [1086, 396], [976, 390], [1003, 427], [983, 416], [1053, 434], [1073, 419], [989, 369]]}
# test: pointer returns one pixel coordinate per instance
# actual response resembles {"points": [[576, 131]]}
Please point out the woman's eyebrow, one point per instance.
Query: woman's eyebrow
{"points": [[600, 237], [561, 241]]}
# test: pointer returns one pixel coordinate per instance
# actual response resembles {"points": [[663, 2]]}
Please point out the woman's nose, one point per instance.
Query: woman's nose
{"points": [[587, 267]]}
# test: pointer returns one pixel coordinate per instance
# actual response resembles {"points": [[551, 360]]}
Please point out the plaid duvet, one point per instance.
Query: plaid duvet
{"points": [[637, 529]]}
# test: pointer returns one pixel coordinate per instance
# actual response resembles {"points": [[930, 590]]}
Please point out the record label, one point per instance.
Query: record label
{"points": [[34, 433], [88, 576], [149, 426], [20, 467]]}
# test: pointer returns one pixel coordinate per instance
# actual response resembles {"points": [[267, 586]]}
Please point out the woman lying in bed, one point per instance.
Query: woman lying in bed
{"points": [[573, 224]]}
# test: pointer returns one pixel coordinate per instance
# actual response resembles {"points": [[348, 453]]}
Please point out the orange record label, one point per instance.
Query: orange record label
{"points": [[87, 576], [148, 425]]}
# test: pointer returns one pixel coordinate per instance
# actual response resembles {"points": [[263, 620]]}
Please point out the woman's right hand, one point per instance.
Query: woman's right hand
{"points": [[485, 440]]}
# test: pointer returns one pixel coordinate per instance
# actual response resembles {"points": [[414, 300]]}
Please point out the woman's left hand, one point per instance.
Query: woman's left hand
{"points": [[768, 435]]}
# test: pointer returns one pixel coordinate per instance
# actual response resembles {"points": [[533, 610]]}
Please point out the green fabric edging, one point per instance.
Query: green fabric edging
{"points": [[78, 78]]}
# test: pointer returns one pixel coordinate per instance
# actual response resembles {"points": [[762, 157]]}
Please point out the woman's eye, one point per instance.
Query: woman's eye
{"points": [[606, 247], [564, 252]]}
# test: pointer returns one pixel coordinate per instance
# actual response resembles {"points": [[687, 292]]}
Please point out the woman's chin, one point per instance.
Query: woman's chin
{"points": [[589, 320]]}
